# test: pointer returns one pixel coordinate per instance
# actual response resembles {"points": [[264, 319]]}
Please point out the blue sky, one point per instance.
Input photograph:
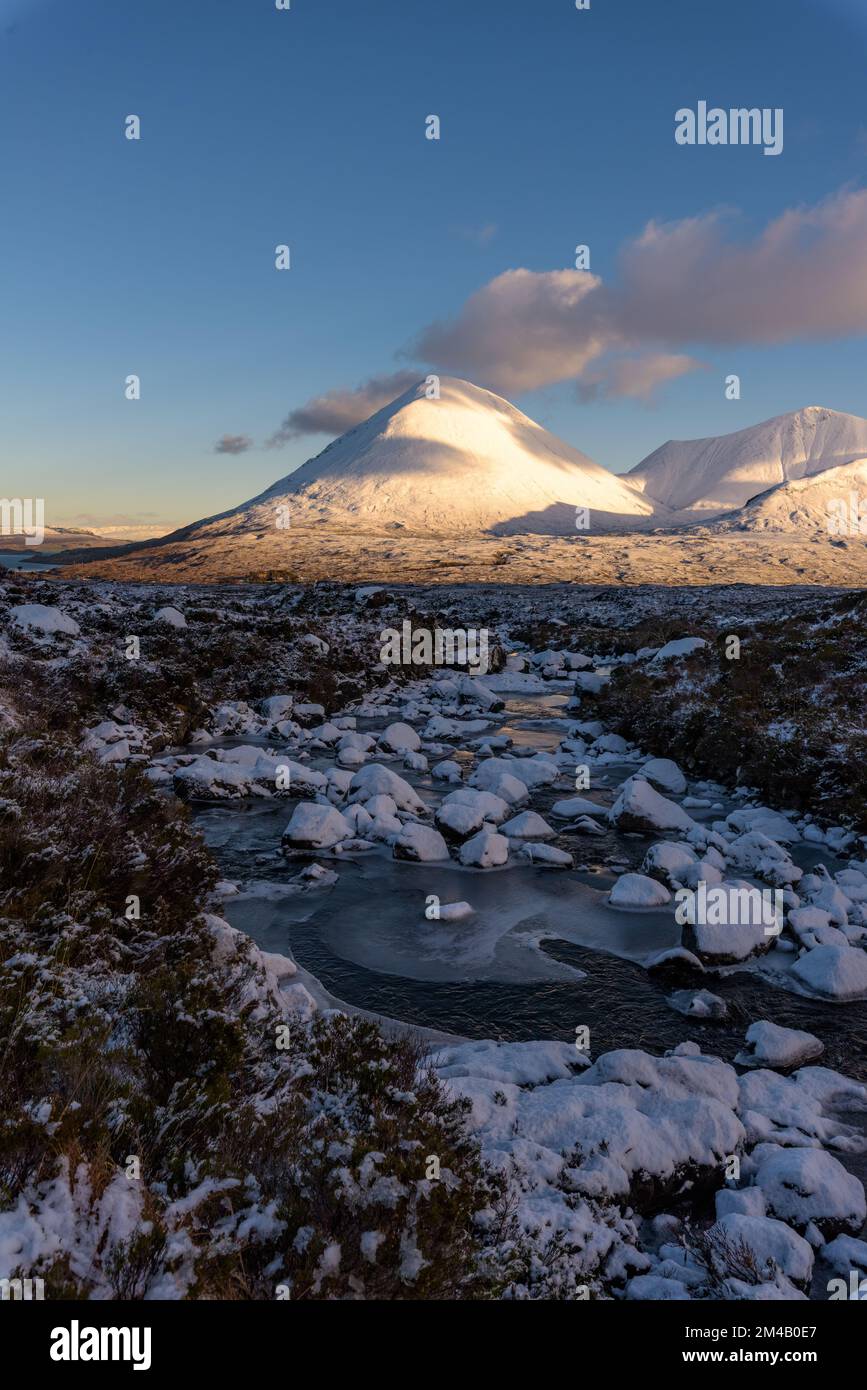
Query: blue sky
{"points": [[306, 127]]}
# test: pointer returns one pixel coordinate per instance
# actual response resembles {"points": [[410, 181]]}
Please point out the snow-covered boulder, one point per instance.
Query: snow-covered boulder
{"points": [[41, 618], [755, 853], [610, 743], [804, 1186], [675, 965], [476, 692], [315, 827], [729, 942], [844, 1254], [812, 927], [668, 861], [457, 820], [697, 1003], [820, 890], [527, 825], [639, 808], [400, 738], [376, 780], [549, 855], [486, 850], [680, 647], [446, 771], [772, 1046], [772, 1243], [801, 1109], [656, 1288], [745, 1201], [276, 708], [171, 617], [420, 843], [359, 819], [765, 821], [206, 778], [515, 1063], [835, 972], [637, 890], [351, 757], [665, 775], [573, 806], [489, 776]]}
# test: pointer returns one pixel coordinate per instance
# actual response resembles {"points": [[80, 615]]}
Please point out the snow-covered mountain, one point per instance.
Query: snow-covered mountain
{"points": [[467, 462], [827, 504], [429, 486], [724, 472]]}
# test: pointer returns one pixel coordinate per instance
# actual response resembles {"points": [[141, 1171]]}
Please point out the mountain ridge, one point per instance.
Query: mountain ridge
{"points": [[720, 473]]}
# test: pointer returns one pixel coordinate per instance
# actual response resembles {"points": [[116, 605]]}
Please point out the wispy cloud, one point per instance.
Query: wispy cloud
{"points": [[338, 410], [637, 378], [233, 444], [480, 236]]}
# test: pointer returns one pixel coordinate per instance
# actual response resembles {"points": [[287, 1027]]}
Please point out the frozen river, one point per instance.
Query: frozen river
{"points": [[544, 952]]}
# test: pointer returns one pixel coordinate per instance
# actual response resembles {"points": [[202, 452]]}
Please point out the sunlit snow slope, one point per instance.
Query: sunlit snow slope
{"points": [[724, 472], [464, 463]]}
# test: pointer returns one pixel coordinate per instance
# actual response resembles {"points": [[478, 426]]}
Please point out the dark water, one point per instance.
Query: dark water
{"points": [[23, 560]]}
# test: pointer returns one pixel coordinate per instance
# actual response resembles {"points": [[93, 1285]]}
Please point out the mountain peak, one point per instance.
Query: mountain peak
{"points": [[723, 472], [458, 461]]}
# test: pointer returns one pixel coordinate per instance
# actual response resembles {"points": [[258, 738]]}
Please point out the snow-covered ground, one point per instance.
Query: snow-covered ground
{"points": [[477, 805]]}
